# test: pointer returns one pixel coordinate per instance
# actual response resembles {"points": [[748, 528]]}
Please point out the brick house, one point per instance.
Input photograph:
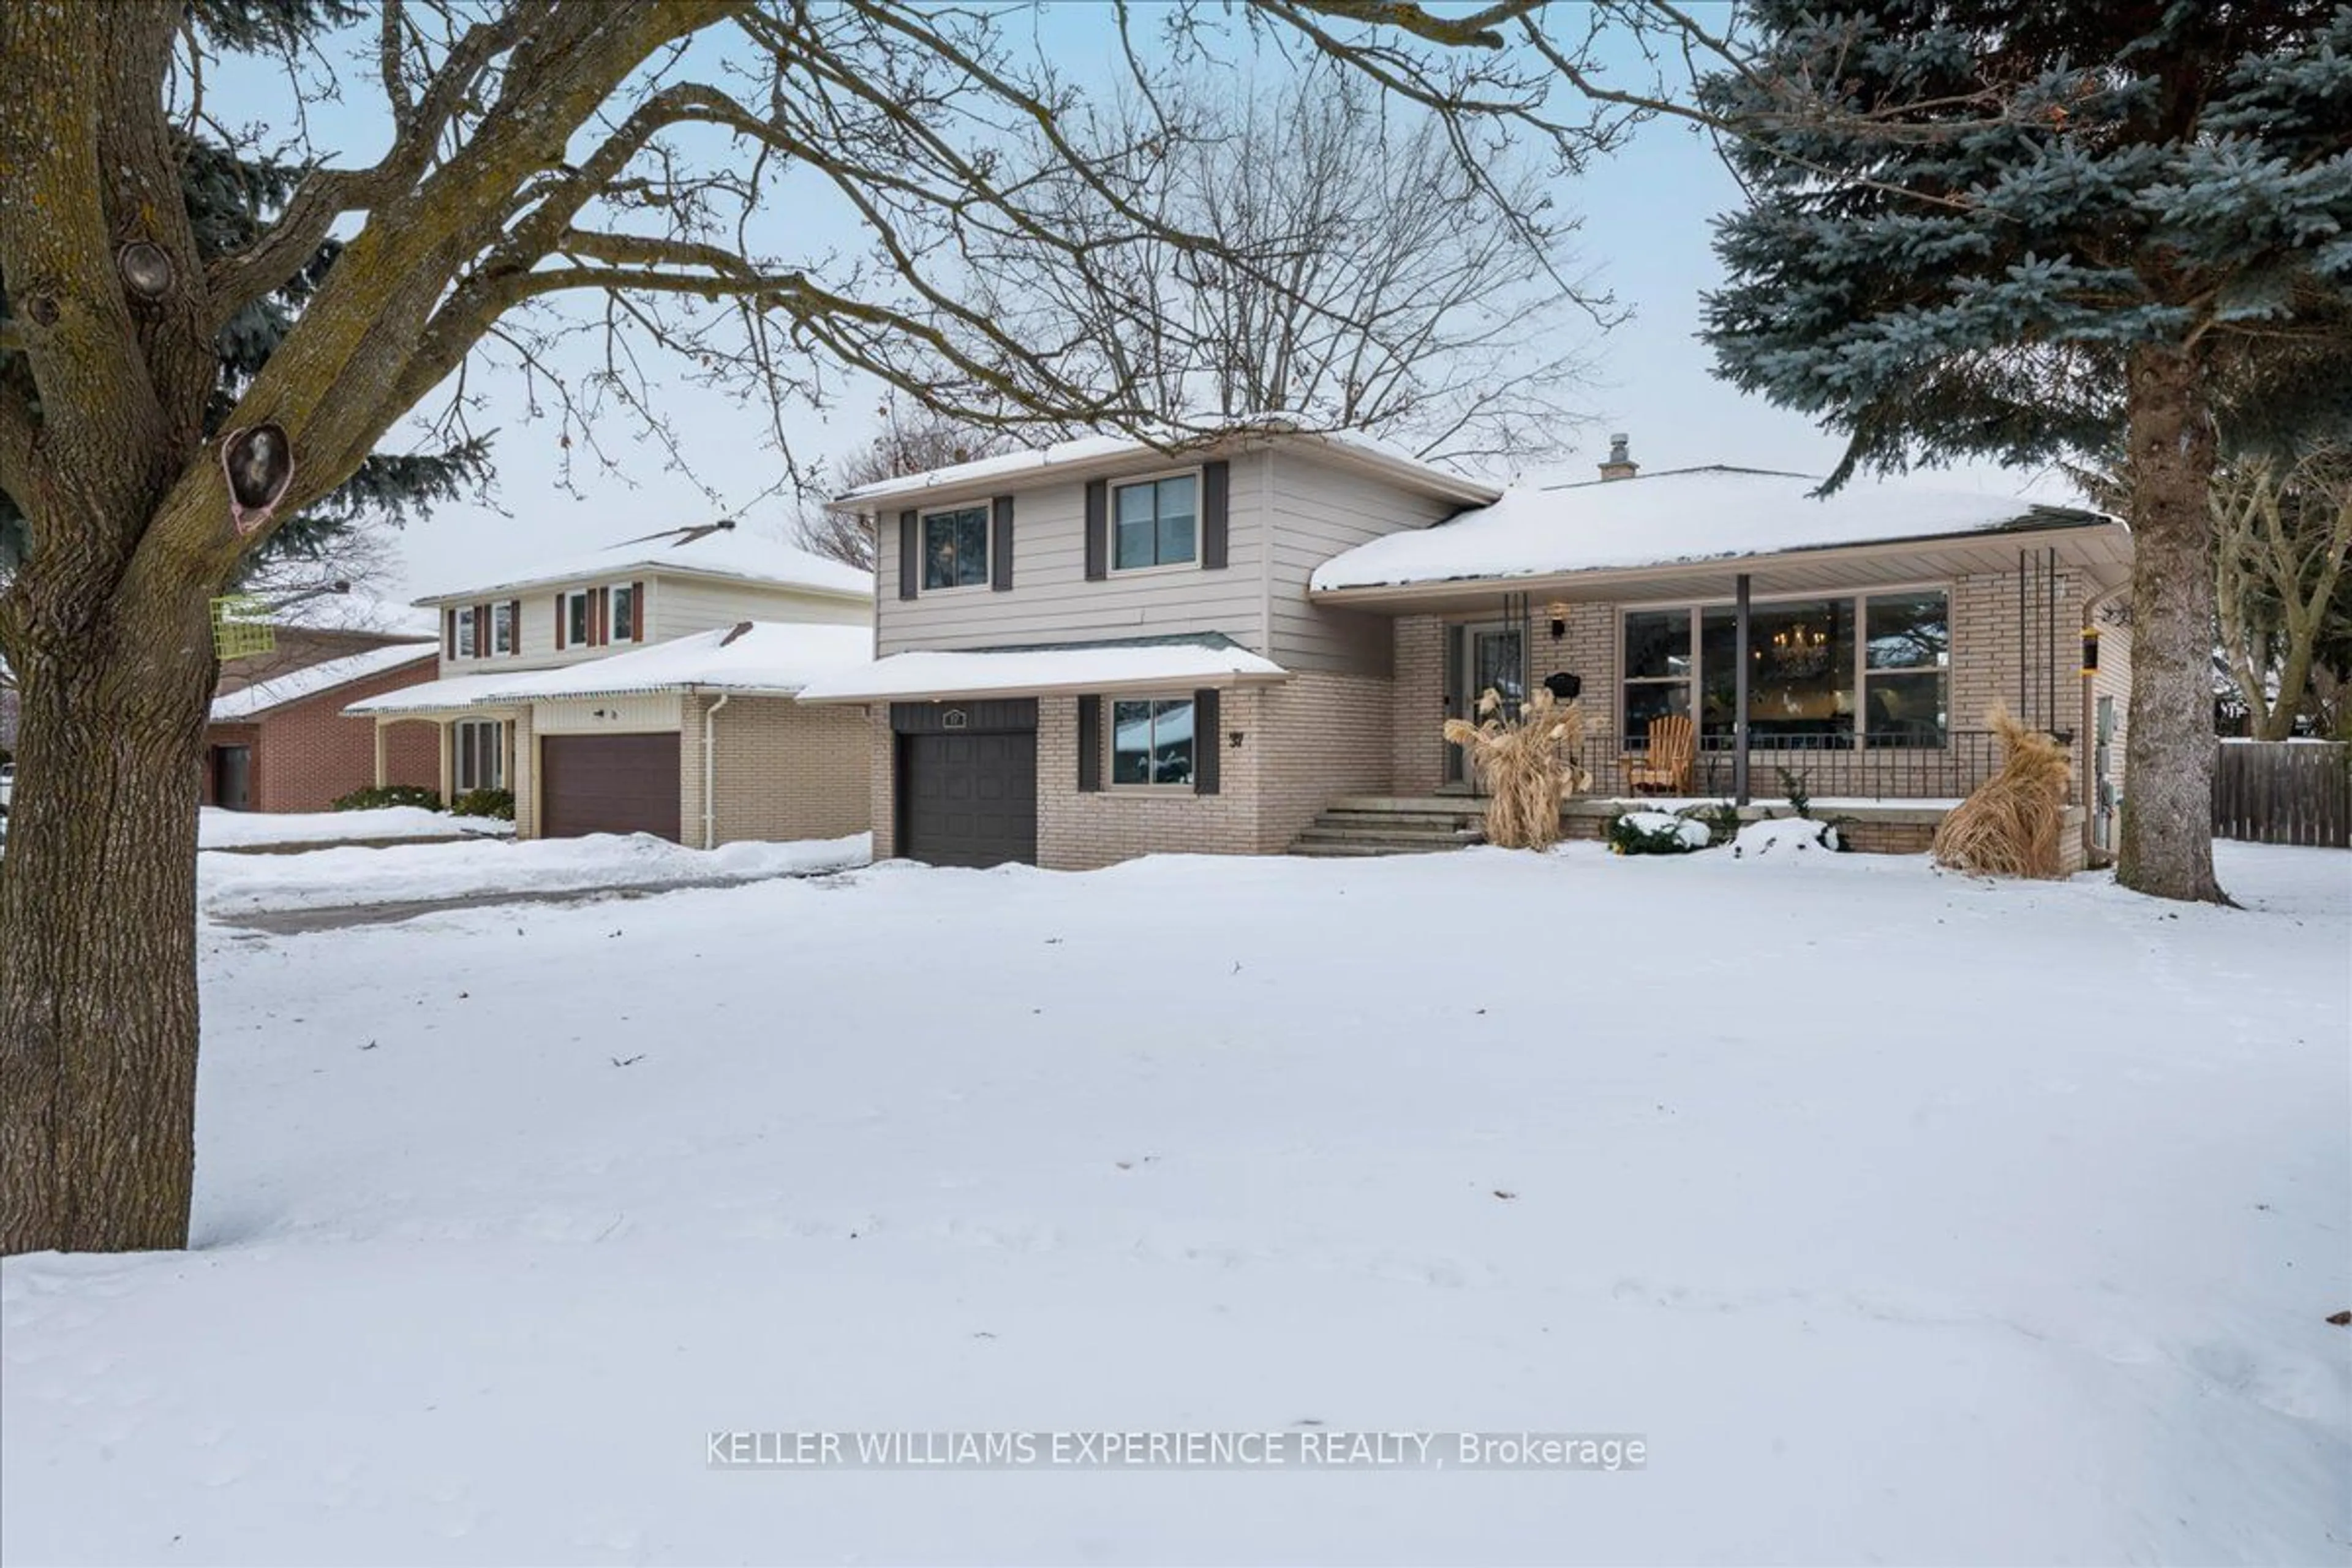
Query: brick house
{"points": [[1101, 650], [648, 688], [278, 741]]}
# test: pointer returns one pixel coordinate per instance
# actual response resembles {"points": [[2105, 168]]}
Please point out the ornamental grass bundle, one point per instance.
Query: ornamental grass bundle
{"points": [[2014, 825], [1521, 762]]}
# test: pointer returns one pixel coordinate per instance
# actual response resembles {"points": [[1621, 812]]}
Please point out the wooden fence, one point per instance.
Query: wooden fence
{"points": [[2284, 792]]}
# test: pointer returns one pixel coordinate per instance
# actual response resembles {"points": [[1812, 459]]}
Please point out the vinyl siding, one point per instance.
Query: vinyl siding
{"points": [[1322, 510], [1051, 599], [675, 608]]}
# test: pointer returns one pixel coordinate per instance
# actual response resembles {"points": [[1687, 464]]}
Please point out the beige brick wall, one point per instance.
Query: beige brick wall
{"points": [[522, 773], [1417, 705], [780, 771], [1321, 735]]}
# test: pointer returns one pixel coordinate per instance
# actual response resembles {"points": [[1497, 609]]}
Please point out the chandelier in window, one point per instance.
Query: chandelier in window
{"points": [[1801, 650]]}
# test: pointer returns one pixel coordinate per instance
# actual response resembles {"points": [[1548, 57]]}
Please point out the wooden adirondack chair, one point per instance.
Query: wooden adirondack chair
{"points": [[1665, 767]]}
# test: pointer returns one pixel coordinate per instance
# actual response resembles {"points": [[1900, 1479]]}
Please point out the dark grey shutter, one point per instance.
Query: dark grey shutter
{"points": [[1097, 530], [999, 546], [910, 554], [1090, 743], [1215, 482], [449, 633], [1208, 740]]}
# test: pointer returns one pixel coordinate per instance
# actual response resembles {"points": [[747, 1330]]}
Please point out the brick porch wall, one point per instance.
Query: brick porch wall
{"points": [[782, 772]]}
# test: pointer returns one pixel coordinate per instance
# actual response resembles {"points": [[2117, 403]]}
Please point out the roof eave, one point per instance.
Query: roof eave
{"points": [[846, 595], [1226, 681]]}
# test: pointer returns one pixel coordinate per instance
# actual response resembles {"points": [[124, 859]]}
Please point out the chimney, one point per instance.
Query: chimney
{"points": [[1620, 466]]}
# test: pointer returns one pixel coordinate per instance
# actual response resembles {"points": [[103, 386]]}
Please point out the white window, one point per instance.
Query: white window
{"points": [[502, 627], [465, 630], [955, 548], [624, 614], [575, 618], [1152, 741], [1154, 523], [482, 758]]}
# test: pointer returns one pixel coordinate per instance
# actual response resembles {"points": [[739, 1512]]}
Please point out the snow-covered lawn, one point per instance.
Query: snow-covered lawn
{"points": [[230, 884], [219, 829], [1909, 1217]]}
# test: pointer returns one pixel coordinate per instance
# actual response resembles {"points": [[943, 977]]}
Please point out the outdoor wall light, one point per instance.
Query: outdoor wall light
{"points": [[1559, 613]]}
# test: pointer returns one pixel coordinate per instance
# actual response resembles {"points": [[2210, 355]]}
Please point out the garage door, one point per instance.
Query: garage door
{"points": [[608, 784], [971, 799]]}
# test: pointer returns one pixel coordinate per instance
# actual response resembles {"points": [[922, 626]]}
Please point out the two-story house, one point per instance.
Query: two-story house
{"points": [[1101, 650], [650, 688]]}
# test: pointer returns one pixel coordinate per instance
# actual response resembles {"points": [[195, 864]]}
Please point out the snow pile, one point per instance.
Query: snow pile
{"points": [[1789, 836], [308, 681], [1171, 664], [502, 1213], [219, 830], [756, 656], [1694, 514], [1691, 833], [340, 877]]}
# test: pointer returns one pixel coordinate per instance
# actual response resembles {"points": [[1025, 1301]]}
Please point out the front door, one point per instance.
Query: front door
{"points": [[233, 777], [1479, 659]]}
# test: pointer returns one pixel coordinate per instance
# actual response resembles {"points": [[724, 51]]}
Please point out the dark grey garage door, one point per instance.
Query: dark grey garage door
{"points": [[968, 795], [608, 784]]}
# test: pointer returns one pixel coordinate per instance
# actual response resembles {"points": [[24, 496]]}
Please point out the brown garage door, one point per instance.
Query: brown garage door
{"points": [[971, 799], [608, 784]]}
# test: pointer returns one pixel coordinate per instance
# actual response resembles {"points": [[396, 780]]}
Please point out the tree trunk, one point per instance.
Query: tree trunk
{"points": [[97, 965], [2167, 848]]}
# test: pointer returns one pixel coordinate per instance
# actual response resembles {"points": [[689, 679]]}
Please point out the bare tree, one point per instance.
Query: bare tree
{"points": [[2281, 531], [911, 440], [1360, 274], [640, 159]]}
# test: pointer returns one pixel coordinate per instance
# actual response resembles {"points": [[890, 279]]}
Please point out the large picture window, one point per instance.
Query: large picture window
{"points": [[1156, 523], [1151, 742], [955, 548], [1822, 673]]}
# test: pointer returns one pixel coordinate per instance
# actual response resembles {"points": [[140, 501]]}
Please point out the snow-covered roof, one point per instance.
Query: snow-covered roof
{"points": [[1667, 519], [719, 552], [312, 679], [1143, 664], [1360, 450], [773, 657]]}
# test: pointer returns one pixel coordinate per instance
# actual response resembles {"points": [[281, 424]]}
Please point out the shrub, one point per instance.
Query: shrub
{"points": [[1721, 820], [497, 803], [1787, 835], [1656, 833], [1526, 764], [377, 796], [2012, 826]]}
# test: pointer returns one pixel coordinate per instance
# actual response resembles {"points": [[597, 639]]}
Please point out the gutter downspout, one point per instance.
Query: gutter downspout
{"points": [[709, 774]]}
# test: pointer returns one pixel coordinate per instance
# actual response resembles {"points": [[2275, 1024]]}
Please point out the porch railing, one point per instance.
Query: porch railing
{"points": [[1827, 767]]}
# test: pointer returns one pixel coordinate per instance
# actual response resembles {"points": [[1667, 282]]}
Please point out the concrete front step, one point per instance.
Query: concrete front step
{"points": [[1321, 833], [1454, 805], [1408, 821], [1332, 850], [1393, 825]]}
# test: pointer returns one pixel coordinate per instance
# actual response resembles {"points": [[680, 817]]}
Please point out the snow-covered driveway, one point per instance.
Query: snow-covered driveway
{"points": [[1908, 1217]]}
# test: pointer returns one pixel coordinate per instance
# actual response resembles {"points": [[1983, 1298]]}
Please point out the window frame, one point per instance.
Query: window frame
{"points": [[623, 593], [923, 521], [1111, 523], [1111, 781], [469, 636], [585, 635], [502, 627], [1858, 735]]}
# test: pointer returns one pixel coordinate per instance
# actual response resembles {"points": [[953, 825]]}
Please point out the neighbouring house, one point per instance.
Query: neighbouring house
{"points": [[1100, 649], [650, 688], [284, 743], [278, 738]]}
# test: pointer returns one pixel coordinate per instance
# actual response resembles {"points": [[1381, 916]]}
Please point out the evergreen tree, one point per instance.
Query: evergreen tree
{"points": [[1986, 228]]}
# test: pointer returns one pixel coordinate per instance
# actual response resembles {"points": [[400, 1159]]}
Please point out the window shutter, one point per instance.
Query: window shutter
{"points": [[1090, 743], [481, 631], [1097, 530], [1215, 482], [999, 546], [559, 622], [514, 625], [600, 615], [910, 554], [636, 612], [1207, 736], [449, 632]]}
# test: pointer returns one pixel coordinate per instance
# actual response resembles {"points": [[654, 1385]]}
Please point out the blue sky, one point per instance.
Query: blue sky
{"points": [[1646, 210]]}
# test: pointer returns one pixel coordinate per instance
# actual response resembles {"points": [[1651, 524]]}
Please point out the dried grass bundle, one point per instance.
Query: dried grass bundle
{"points": [[2014, 825], [1523, 765]]}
